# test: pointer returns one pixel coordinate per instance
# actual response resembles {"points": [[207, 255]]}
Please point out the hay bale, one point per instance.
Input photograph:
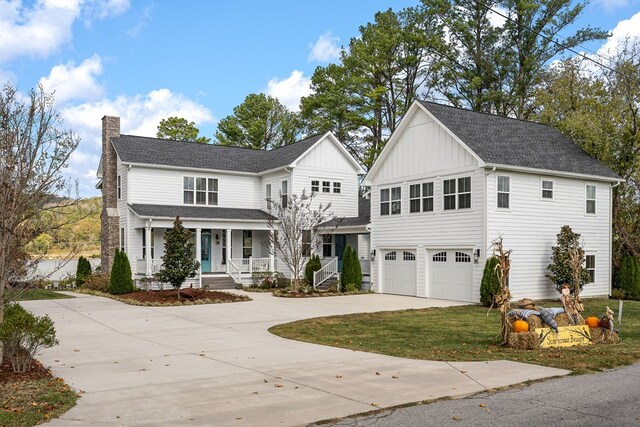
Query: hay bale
{"points": [[604, 336], [523, 340], [534, 322], [563, 319]]}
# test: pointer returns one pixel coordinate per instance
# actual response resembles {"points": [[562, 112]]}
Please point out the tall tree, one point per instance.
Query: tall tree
{"points": [[180, 129], [261, 122], [34, 150], [178, 261]]}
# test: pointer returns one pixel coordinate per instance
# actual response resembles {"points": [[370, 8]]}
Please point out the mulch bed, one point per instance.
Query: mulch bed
{"points": [[37, 372], [188, 295], [302, 294]]}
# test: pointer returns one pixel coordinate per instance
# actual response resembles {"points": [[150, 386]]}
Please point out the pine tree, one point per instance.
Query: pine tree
{"points": [[351, 271], [178, 261], [83, 270], [120, 281], [312, 266], [560, 271], [630, 277], [490, 285]]}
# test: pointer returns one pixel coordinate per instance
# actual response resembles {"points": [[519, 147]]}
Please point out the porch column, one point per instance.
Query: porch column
{"points": [[199, 254], [272, 252], [147, 250], [228, 248]]}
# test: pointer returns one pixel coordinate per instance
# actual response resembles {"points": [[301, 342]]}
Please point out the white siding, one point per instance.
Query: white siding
{"points": [[530, 226], [275, 179]]}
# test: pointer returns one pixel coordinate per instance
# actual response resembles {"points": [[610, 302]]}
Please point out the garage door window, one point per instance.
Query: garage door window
{"points": [[390, 256], [440, 257], [462, 257], [408, 256]]}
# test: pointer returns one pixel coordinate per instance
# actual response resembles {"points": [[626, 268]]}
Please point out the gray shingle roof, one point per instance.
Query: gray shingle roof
{"points": [[363, 218], [203, 212], [154, 151], [513, 142]]}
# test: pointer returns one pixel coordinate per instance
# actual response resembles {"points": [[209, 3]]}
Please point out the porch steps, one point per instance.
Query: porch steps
{"points": [[219, 282], [327, 284]]}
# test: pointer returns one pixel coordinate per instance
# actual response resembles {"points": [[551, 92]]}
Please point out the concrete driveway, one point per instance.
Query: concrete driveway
{"points": [[218, 365]]}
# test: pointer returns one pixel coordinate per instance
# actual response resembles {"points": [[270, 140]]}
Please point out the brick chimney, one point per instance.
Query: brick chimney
{"points": [[110, 229]]}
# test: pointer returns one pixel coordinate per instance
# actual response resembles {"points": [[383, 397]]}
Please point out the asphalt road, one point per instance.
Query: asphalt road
{"points": [[610, 398]]}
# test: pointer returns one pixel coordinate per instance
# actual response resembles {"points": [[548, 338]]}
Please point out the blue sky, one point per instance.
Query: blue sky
{"points": [[147, 60]]}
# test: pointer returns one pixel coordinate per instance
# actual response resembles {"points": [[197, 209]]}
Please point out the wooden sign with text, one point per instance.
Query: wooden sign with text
{"points": [[567, 336]]}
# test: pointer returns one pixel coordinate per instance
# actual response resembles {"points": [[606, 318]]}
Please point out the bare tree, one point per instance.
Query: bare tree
{"points": [[294, 236], [34, 149]]}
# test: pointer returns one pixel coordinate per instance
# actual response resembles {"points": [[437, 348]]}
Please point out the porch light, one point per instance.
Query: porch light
{"points": [[217, 239], [476, 256], [373, 254]]}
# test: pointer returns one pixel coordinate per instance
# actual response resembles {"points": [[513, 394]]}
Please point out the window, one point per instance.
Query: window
{"points": [[427, 197], [122, 239], [464, 193], [384, 201], [212, 192], [144, 244], [306, 243], [408, 256], [414, 198], [547, 189], [590, 266], [326, 245], [326, 186], [390, 201], [390, 256], [267, 195], [119, 187], [224, 247], [247, 243], [424, 203], [201, 191], [337, 187], [396, 195], [591, 199], [462, 257], [440, 257], [449, 192], [315, 186], [504, 188], [188, 190], [284, 194]]}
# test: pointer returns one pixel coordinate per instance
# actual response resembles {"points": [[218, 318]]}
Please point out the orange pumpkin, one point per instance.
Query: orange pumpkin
{"points": [[520, 326], [592, 322]]}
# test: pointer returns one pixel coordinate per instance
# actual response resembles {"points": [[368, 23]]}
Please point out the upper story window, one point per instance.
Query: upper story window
{"points": [[315, 186], [547, 189], [421, 197], [591, 199], [462, 196], [337, 187], [267, 195], [119, 187], [326, 186], [201, 191], [390, 201], [504, 191], [284, 193]]}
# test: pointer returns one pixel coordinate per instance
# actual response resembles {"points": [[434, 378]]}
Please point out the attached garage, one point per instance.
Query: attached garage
{"points": [[399, 274], [451, 274]]}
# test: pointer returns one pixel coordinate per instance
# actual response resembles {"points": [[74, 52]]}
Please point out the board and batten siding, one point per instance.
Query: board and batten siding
{"points": [[529, 228], [165, 187]]}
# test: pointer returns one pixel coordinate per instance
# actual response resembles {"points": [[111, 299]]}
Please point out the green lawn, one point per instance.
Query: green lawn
{"points": [[464, 333], [32, 402], [35, 294]]}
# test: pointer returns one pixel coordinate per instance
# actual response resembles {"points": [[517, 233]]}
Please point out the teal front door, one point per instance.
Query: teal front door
{"points": [[205, 252], [341, 244]]}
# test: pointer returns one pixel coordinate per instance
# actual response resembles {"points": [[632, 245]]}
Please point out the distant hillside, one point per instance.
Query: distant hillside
{"points": [[79, 226]]}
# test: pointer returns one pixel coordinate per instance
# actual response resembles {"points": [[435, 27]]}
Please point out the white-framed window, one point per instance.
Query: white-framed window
{"points": [[306, 243], [267, 195], [212, 191], [414, 198], [337, 187], [427, 197], [390, 201], [462, 257], [591, 199], [188, 190], [590, 266], [144, 244], [122, 239], [440, 257], [449, 194], [200, 190], [315, 186], [462, 196], [390, 256], [327, 245], [408, 256], [504, 191], [247, 243], [119, 187], [421, 197], [464, 193], [284, 193], [546, 189], [326, 186]]}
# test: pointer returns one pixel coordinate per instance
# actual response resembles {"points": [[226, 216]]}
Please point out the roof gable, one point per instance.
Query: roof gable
{"points": [[328, 146]]}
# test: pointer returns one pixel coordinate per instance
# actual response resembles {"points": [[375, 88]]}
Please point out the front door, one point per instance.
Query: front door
{"points": [[205, 251], [341, 244]]}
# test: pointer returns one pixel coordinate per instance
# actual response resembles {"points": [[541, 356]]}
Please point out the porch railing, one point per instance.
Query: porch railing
{"points": [[251, 264], [141, 266], [326, 272], [235, 272]]}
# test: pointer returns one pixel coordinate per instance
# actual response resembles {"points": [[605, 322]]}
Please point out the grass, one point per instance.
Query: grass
{"points": [[464, 333], [31, 402], [229, 298], [35, 294]]}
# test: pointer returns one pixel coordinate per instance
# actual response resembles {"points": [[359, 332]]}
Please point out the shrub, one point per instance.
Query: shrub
{"points": [[178, 262], [490, 285], [23, 335], [120, 281], [351, 277], [82, 271], [97, 282], [312, 266], [560, 271], [630, 277]]}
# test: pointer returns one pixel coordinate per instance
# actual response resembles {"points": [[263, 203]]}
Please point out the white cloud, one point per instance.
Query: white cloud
{"points": [[77, 83], [290, 90], [7, 77], [626, 29], [610, 5], [325, 49], [139, 115], [497, 19]]}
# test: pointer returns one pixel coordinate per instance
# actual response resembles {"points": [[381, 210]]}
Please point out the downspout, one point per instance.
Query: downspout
{"points": [[611, 235]]}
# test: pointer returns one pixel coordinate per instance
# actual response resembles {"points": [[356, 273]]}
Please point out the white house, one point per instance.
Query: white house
{"points": [[221, 193], [449, 181]]}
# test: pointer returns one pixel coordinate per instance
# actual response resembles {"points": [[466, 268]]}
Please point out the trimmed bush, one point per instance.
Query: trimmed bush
{"points": [[178, 263], [312, 266], [120, 281], [23, 335], [351, 271], [630, 277], [490, 285], [82, 271], [97, 282]]}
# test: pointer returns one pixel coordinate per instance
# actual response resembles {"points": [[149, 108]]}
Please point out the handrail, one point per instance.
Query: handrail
{"points": [[251, 264], [325, 273], [234, 269]]}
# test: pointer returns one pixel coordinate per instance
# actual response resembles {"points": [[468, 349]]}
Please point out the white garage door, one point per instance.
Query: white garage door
{"points": [[399, 272], [451, 275]]}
